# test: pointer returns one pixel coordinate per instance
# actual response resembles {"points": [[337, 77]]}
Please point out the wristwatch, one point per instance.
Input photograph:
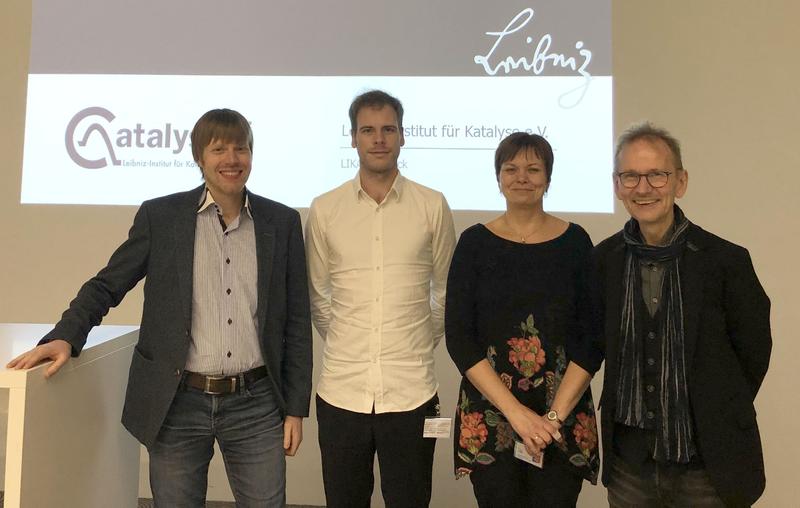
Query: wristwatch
{"points": [[552, 416]]}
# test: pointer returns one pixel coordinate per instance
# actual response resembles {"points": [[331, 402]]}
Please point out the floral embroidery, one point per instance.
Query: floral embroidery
{"points": [[491, 352], [526, 355], [505, 437], [553, 377], [550, 387], [473, 432], [585, 432], [462, 472], [506, 379]]}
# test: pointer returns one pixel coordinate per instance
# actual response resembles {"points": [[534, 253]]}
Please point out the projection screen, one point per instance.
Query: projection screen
{"points": [[115, 88]]}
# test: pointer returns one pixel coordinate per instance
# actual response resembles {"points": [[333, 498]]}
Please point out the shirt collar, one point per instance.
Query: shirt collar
{"points": [[206, 200], [396, 190]]}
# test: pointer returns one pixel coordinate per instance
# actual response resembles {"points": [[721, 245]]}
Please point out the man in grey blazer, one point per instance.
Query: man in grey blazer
{"points": [[224, 351]]}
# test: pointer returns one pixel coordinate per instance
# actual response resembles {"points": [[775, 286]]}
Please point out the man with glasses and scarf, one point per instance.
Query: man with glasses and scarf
{"points": [[684, 331]]}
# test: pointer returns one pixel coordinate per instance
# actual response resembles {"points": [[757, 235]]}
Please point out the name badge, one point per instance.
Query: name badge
{"points": [[521, 453], [437, 427]]}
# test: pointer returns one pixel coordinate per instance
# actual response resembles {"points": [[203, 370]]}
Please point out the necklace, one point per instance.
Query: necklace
{"points": [[522, 238]]}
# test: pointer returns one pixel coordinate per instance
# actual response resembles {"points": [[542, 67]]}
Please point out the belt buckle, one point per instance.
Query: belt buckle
{"points": [[209, 379]]}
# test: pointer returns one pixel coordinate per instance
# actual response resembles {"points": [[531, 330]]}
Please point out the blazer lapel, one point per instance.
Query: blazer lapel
{"points": [[184, 229], [265, 251]]}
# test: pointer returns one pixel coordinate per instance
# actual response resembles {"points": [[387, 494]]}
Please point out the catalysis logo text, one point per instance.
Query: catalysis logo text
{"points": [[93, 142]]}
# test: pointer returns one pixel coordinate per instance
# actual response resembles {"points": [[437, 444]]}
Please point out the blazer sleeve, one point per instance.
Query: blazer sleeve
{"points": [[126, 267], [747, 309], [297, 360]]}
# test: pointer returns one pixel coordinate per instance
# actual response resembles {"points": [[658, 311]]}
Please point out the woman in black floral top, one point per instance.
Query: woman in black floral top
{"points": [[516, 307]]}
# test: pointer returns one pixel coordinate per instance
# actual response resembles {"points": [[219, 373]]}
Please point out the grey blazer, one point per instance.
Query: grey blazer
{"points": [[160, 247]]}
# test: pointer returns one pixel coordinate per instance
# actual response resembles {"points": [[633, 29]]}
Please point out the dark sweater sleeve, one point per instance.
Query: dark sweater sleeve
{"points": [[465, 347], [585, 348]]}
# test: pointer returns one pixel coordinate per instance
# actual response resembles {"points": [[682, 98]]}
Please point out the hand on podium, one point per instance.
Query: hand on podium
{"points": [[57, 350]]}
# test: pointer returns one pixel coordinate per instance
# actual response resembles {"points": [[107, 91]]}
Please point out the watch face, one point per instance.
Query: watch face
{"points": [[552, 415]]}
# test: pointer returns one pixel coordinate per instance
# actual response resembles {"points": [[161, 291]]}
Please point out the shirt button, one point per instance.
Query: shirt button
{"points": [[377, 238], [228, 290], [651, 362], [651, 335], [650, 415], [229, 354], [650, 388], [654, 300], [653, 268], [228, 261], [230, 320]]}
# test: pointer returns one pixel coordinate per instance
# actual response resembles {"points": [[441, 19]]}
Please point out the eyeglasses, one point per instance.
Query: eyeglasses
{"points": [[656, 179]]}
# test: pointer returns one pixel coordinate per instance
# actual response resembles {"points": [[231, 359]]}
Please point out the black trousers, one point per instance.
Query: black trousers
{"points": [[512, 483], [348, 442]]}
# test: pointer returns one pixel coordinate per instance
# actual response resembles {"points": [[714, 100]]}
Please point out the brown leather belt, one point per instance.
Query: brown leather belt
{"points": [[223, 385]]}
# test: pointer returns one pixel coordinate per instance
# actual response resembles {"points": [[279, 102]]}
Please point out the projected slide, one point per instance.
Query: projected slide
{"points": [[110, 106]]}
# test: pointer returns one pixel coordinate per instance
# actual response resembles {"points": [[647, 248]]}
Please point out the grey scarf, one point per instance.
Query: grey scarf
{"points": [[674, 440]]}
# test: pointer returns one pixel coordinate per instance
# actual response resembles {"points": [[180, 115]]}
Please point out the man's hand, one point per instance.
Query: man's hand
{"points": [[56, 350], [292, 434]]}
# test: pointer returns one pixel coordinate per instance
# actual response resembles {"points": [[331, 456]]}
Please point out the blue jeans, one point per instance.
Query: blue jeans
{"points": [[660, 485], [249, 429]]}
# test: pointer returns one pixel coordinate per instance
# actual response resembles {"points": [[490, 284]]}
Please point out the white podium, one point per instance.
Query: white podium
{"points": [[65, 445]]}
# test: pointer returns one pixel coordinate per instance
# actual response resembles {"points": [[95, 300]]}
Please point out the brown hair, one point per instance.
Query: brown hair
{"points": [[220, 124], [521, 141], [375, 99]]}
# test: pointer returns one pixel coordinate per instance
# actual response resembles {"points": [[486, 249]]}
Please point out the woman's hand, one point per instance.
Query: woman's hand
{"points": [[535, 431]]}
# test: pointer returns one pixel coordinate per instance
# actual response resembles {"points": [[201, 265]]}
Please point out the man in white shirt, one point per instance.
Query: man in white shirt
{"points": [[378, 248]]}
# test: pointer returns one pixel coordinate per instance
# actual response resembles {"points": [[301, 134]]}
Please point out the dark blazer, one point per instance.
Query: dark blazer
{"points": [[727, 346], [160, 247]]}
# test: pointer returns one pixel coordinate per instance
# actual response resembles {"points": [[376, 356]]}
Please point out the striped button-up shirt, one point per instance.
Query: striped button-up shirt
{"points": [[224, 294]]}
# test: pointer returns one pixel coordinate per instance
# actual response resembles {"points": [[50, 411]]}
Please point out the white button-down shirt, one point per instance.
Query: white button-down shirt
{"points": [[377, 277]]}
